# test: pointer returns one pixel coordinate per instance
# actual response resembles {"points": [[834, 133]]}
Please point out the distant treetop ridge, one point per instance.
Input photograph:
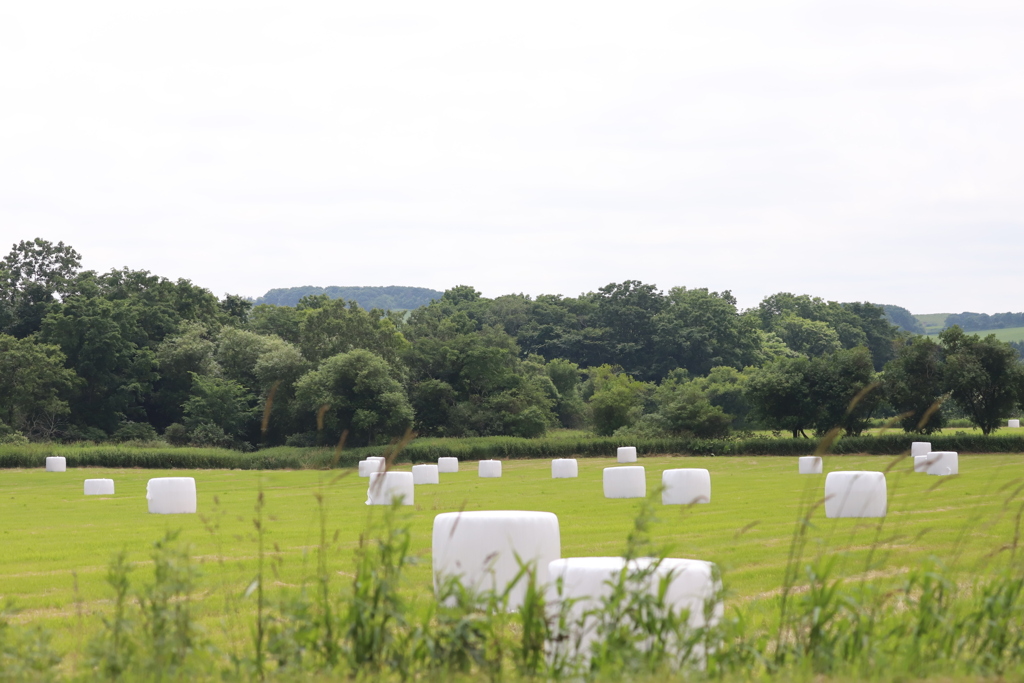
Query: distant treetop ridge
{"points": [[388, 298]]}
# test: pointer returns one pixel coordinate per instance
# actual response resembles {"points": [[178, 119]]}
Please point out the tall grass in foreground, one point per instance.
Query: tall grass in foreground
{"points": [[361, 620]]}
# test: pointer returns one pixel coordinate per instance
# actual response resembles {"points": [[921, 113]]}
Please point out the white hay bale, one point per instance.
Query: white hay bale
{"points": [[626, 454], [447, 465], [371, 465], [810, 464], [685, 486], [564, 468], [692, 584], [920, 463], [920, 448], [386, 487], [625, 482], [171, 495], [56, 464], [855, 494], [480, 549], [489, 468], [942, 463], [99, 487], [1013, 424], [425, 474]]}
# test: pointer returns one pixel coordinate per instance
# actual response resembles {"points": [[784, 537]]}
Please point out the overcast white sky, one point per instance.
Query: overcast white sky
{"points": [[850, 150]]}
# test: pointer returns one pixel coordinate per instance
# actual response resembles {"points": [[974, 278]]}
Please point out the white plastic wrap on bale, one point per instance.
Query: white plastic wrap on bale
{"points": [[920, 463], [920, 448], [855, 494], [480, 549], [626, 454], [171, 495], [99, 487], [56, 464], [564, 468], [370, 465], [685, 486], [625, 482], [943, 463], [810, 464], [587, 580], [447, 465], [386, 487], [425, 474], [1013, 424], [490, 468]]}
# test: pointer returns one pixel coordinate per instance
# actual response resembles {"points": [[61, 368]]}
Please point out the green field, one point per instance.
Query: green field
{"points": [[1006, 334], [57, 542], [932, 322]]}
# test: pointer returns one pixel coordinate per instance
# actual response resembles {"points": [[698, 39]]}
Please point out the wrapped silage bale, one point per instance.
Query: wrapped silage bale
{"points": [[693, 589], [56, 464], [447, 465], [386, 487], [855, 494], [425, 474], [99, 487], [685, 486], [626, 454], [480, 549], [921, 463], [920, 448], [943, 463], [489, 468], [810, 464], [625, 482], [564, 468], [371, 465], [1013, 424], [171, 495]]}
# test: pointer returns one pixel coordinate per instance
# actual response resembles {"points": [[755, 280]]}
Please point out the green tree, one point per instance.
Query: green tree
{"points": [[31, 276], [616, 400], [362, 395], [983, 376], [178, 357], [843, 390], [222, 403], [684, 408], [698, 330], [913, 384], [809, 337], [780, 396], [569, 406], [34, 386], [335, 327]]}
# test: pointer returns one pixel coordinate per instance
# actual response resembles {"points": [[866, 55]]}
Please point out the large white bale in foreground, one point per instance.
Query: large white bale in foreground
{"points": [[371, 465], [920, 448], [625, 482], [489, 468], [447, 465], [386, 487], [626, 454], [56, 464], [855, 494], [1013, 424], [564, 468], [480, 549], [99, 487], [810, 464], [586, 580], [171, 495], [685, 486], [425, 474], [943, 463], [920, 463]]}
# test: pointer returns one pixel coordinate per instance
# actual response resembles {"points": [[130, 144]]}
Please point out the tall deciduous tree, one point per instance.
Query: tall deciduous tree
{"points": [[983, 376], [32, 275], [913, 384], [34, 385]]}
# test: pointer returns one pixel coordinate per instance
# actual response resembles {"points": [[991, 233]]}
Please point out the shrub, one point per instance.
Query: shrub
{"points": [[134, 431], [176, 434]]}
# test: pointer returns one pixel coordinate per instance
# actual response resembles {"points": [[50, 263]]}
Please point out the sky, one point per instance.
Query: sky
{"points": [[866, 150]]}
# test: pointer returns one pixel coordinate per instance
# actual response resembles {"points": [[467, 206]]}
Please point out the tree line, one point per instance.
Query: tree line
{"points": [[128, 355]]}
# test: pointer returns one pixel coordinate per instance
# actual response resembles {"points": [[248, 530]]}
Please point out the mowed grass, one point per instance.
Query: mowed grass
{"points": [[56, 542], [1006, 334]]}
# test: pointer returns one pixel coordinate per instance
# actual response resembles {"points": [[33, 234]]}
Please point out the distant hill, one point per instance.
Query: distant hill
{"points": [[902, 318], [933, 323], [388, 298]]}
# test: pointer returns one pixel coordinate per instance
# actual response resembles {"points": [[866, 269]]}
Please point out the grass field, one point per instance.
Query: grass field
{"points": [[1006, 334], [932, 322], [57, 543]]}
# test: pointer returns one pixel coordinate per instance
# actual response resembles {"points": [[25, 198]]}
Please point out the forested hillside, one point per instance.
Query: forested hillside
{"points": [[129, 355], [384, 298]]}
